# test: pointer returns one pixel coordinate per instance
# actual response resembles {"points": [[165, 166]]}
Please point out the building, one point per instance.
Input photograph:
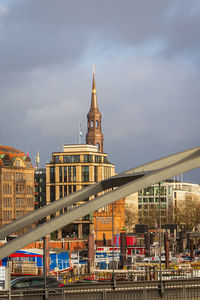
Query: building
{"points": [[173, 194], [78, 166], [40, 187], [16, 184]]}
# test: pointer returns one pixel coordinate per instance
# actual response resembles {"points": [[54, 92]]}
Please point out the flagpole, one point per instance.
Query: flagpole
{"points": [[79, 136]]}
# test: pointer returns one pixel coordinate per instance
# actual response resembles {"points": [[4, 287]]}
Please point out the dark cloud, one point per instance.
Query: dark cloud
{"points": [[147, 56]]}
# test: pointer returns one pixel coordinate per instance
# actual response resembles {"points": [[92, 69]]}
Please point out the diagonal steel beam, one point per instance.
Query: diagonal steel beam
{"points": [[114, 181], [185, 164], [59, 204]]}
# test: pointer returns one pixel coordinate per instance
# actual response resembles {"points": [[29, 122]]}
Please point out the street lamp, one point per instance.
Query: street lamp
{"points": [[161, 288]]}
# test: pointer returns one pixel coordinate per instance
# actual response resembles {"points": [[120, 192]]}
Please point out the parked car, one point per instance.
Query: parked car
{"points": [[33, 282]]}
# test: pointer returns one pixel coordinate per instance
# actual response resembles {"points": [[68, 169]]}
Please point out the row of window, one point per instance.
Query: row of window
{"points": [[20, 213], [40, 189], [21, 202], [7, 176], [19, 188], [154, 191], [146, 213], [92, 124], [63, 191], [18, 177], [68, 174], [7, 202], [40, 179], [18, 163], [87, 158], [152, 206], [7, 189], [7, 214], [151, 200]]}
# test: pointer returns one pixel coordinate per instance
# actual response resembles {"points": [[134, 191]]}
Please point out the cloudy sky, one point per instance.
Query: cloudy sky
{"points": [[147, 57]]}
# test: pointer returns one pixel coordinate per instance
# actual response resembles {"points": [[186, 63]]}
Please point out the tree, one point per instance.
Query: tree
{"points": [[150, 217], [187, 214], [130, 218]]}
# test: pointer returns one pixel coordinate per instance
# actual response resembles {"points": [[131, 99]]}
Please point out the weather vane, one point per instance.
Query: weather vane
{"points": [[93, 68]]}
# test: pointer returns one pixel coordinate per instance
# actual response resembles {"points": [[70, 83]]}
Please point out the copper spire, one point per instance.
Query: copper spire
{"points": [[94, 92], [94, 135]]}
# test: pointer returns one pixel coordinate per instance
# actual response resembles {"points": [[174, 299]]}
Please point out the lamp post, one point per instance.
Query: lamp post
{"points": [[161, 288], [113, 245]]}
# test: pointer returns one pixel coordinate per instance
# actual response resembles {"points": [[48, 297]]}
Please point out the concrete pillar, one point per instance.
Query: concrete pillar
{"points": [[166, 255], [46, 259], [91, 253], [147, 244], [123, 248], [80, 231], [192, 249]]}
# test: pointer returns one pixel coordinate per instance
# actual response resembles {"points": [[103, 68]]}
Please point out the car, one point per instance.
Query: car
{"points": [[33, 282]]}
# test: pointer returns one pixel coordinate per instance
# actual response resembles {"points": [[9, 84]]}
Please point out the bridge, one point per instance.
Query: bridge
{"points": [[146, 290], [115, 188]]}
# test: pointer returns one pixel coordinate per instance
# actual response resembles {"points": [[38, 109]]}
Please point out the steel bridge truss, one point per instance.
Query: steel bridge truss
{"points": [[115, 188]]}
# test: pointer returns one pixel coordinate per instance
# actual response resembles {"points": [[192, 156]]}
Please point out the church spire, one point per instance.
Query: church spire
{"points": [[94, 135], [94, 92]]}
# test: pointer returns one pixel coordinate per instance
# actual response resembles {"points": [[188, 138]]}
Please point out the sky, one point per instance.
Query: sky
{"points": [[147, 58]]}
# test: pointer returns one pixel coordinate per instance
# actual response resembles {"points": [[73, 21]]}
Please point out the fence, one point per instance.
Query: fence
{"points": [[147, 290], [149, 273]]}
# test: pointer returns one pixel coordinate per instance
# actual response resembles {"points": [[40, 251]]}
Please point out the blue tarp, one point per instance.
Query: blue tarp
{"points": [[60, 260]]}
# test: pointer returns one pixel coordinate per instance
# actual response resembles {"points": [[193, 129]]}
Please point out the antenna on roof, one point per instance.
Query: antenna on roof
{"points": [[37, 161], [80, 134]]}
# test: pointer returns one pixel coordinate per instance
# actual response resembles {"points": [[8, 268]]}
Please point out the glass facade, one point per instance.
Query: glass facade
{"points": [[52, 174], [85, 173], [71, 158], [74, 174]]}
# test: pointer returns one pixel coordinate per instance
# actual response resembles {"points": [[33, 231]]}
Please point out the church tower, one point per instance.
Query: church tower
{"points": [[94, 134]]}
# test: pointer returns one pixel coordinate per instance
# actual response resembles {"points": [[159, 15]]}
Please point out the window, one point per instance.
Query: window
{"points": [[85, 173], [52, 193], [56, 159], [97, 159], [52, 174], [60, 174], [65, 174], [92, 123], [69, 174], [74, 173], [98, 146], [148, 191], [60, 191], [97, 124], [65, 190], [95, 173], [163, 199], [74, 188], [71, 158], [70, 189], [88, 158]]}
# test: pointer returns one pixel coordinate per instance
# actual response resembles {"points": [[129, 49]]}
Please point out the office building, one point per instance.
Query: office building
{"points": [[16, 184], [173, 194], [78, 166]]}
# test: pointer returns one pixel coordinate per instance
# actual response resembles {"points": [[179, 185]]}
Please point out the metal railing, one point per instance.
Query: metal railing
{"points": [[142, 290]]}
